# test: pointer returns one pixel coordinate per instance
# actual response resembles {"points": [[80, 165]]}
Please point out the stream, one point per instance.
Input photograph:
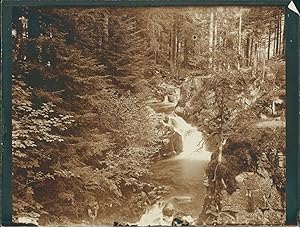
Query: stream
{"points": [[183, 174]]}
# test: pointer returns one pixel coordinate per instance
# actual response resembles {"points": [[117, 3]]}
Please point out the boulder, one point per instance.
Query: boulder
{"points": [[167, 148], [166, 119], [183, 221], [148, 188], [172, 98], [168, 210], [28, 220], [189, 219], [179, 111], [171, 145], [181, 199], [256, 194], [243, 176], [177, 142]]}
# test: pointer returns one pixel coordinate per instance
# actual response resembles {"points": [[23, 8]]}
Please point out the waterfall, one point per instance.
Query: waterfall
{"points": [[154, 216], [166, 100], [194, 147], [183, 173]]}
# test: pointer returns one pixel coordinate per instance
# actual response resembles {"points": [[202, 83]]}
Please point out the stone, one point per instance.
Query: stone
{"points": [[148, 188], [179, 111], [171, 98], [168, 209], [239, 178], [172, 145], [182, 199], [243, 176], [256, 201], [177, 142], [189, 219], [28, 220]]}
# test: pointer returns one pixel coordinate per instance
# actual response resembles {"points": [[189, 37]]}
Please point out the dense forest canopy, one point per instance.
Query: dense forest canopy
{"points": [[84, 137]]}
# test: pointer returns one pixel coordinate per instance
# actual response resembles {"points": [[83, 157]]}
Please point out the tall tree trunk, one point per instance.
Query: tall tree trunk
{"points": [[255, 58], [216, 34], [279, 33], [185, 54], [274, 44], [159, 51], [215, 42], [283, 38], [273, 95], [240, 39], [178, 49], [269, 41], [248, 52], [251, 52], [211, 39], [174, 48], [247, 47], [264, 61], [171, 50]]}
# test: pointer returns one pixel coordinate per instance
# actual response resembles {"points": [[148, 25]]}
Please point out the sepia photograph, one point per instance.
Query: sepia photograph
{"points": [[148, 116]]}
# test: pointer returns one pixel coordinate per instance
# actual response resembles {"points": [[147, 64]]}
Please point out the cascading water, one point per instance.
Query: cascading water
{"points": [[192, 140], [182, 174], [166, 99], [154, 216]]}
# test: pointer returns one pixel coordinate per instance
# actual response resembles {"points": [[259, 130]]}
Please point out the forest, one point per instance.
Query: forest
{"points": [[86, 134]]}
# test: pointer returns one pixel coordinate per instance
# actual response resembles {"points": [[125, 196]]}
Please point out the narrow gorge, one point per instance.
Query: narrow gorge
{"points": [[183, 174]]}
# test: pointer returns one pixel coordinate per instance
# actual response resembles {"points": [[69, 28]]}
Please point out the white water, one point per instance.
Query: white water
{"points": [[194, 147], [154, 216], [194, 153], [166, 100]]}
